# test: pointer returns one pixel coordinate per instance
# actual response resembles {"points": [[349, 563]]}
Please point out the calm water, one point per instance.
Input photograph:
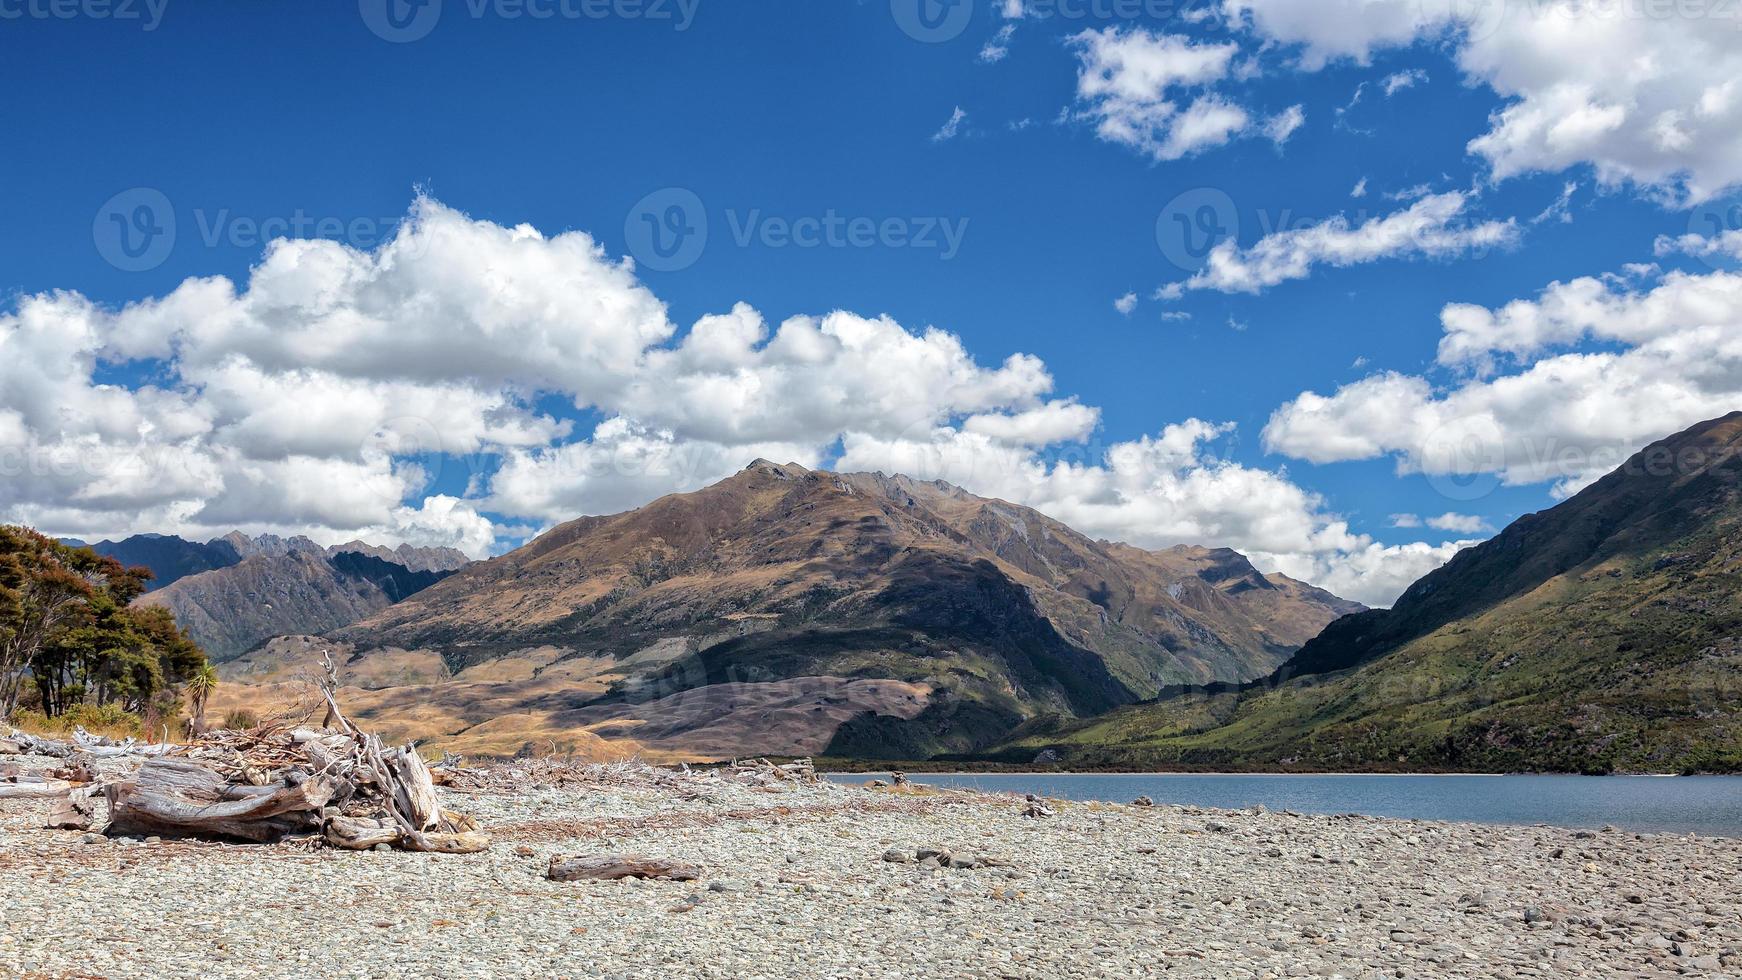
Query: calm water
{"points": [[1699, 804]]}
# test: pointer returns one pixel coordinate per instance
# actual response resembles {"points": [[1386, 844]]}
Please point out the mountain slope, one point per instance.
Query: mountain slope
{"points": [[785, 609], [282, 591], [169, 557], [1604, 633], [172, 558]]}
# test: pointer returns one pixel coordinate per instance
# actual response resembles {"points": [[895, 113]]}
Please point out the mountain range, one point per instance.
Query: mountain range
{"points": [[172, 558], [232, 593], [1603, 634], [791, 610]]}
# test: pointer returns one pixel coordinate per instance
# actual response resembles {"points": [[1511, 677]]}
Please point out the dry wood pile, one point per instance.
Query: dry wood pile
{"points": [[338, 782]]}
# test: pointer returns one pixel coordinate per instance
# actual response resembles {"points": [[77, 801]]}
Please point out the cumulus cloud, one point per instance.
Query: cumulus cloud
{"points": [[1126, 303], [1642, 93], [333, 389], [1152, 92], [1433, 227], [1460, 523], [1727, 244], [1560, 388]]}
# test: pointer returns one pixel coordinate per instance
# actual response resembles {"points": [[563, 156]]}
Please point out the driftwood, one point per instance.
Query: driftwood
{"points": [[169, 797], [341, 783], [95, 746], [615, 867], [34, 788]]}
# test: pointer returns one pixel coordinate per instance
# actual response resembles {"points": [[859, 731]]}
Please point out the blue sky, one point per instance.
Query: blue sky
{"points": [[1016, 230]]}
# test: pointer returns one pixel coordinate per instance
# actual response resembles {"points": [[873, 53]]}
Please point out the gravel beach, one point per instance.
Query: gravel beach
{"points": [[826, 881]]}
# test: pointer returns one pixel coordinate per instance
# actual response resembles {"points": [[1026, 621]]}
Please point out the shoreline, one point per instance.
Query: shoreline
{"points": [[1091, 889], [1177, 772]]}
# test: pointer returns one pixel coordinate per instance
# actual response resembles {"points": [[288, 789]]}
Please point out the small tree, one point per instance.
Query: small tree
{"points": [[200, 687]]}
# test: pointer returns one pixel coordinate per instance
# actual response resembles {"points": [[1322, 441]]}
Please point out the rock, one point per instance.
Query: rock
{"points": [[378, 847], [937, 853], [962, 863], [894, 856], [1274, 852], [1533, 915], [1143, 801], [725, 885]]}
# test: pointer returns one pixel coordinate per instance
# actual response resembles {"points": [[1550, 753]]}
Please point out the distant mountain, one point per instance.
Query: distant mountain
{"points": [[284, 590], [416, 559], [789, 610], [1602, 634], [169, 557]]}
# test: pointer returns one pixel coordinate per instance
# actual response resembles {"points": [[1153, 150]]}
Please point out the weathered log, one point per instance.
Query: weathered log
{"points": [[168, 797], [413, 791], [413, 840], [30, 788], [615, 867], [360, 833]]}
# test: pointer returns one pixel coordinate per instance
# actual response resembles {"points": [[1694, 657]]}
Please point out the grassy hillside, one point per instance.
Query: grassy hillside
{"points": [[1602, 635]]}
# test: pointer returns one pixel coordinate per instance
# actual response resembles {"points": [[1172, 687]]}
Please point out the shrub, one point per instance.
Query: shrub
{"points": [[241, 720]]}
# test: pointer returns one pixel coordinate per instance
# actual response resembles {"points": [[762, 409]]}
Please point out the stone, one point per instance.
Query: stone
{"points": [[894, 856]]}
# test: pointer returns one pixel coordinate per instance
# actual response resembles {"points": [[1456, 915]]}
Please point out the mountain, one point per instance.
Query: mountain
{"points": [[169, 557], [275, 592], [416, 559], [1602, 634], [789, 610]]}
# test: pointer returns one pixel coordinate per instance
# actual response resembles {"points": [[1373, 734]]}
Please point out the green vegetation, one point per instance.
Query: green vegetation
{"points": [[70, 644], [1603, 635]]}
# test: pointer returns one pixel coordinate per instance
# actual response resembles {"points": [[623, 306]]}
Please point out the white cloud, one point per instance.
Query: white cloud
{"points": [[325, 394], [1280, 127], [1433, 227], [1398, 81], [1133, 84], [1460, 523], [998, 46], [1727, 244], [1126, 303], [951, 126], [1360, 188], [1643, 93], [1405, 520], [1598, 368]]}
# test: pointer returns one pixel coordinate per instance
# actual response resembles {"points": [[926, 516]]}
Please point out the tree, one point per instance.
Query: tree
{"points": [[200, 687], [66, 624]]}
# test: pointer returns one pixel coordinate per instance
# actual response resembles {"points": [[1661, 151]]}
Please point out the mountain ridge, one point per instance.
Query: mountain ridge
{"points": [[1602, 634]]}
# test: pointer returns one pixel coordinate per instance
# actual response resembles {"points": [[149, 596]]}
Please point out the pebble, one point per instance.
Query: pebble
{"points": [[1095, 891]]}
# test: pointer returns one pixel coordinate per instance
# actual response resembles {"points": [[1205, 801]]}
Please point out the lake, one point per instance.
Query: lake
{"points": [[1709, 805]]}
